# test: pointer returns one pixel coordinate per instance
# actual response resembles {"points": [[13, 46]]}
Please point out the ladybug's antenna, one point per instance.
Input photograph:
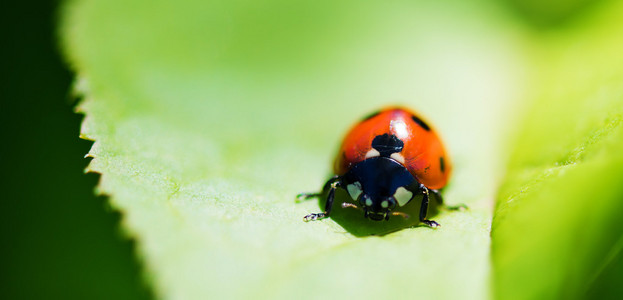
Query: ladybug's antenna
{"points": [[351, 205], [399, 213]]}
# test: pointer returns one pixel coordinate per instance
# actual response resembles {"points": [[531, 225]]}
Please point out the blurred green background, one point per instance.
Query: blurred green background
{"points": [[60, 241]]}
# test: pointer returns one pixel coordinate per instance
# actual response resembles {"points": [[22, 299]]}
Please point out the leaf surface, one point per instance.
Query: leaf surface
{"points": [[209, 117]]}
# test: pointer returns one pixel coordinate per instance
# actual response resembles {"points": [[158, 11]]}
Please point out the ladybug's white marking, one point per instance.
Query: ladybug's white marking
{"points": [[402, 196], [368, 202], [399, 128], [398, 157], [354, 190], [384, 204], [372, 153]]}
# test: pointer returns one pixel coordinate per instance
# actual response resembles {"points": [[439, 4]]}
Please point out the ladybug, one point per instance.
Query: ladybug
{"points": [[384, 161]]}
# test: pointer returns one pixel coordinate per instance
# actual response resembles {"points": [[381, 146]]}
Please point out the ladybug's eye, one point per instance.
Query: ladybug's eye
{"points": [[392, 203], [389, 203], [365, 200]]}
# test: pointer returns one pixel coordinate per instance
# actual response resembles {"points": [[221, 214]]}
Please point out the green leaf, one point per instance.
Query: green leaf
{"points": [[209, 117], [551, 13], [558, 225]]}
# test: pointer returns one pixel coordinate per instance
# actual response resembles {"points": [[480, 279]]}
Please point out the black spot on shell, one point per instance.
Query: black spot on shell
{"points": [[420, 122], [442, 164], [387, 144], [372, 115]]}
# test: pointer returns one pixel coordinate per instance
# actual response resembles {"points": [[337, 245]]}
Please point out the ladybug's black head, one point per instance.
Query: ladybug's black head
{"points": [[378, 209], [379, 185]]}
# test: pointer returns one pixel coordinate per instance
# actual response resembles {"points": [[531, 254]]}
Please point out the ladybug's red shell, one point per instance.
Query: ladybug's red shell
{"points": [[423, 154]]}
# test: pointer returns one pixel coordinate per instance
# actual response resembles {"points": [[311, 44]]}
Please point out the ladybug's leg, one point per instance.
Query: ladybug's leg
{"points": [[327, 208], [437, 196], [306, 196], [424, 209], [440, 202]]}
